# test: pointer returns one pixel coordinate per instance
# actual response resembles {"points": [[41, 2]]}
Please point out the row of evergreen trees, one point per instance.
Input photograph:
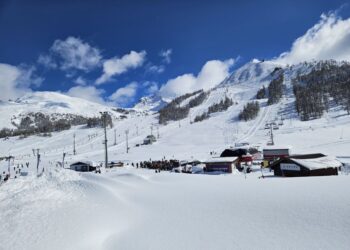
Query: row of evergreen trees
{"points": [[201, 117], [174, 112], [28, 127], [221, 106], [328, 82], [216, 107], [261, 94], [250, 111], [36, 123], [275, 89], [98, 121]]}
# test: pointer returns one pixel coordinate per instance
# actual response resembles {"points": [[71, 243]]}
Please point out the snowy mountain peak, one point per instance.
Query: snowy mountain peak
{"points": [[252, 72], [150, 103]]}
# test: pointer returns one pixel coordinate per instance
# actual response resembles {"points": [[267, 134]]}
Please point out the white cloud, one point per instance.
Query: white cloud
{"points": [[80, 81], [16, 81], [166, 55], [70, 54], [150, 87], [89, 93], [124, 95], [117, 66], [212, 73], [328, 39], [47, 61], [155, 68]]}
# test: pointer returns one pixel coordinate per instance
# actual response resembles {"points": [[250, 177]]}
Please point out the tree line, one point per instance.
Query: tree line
{"points": [[173, 111], [328, 82], [275, 89], [98, 121], [250, 111], [36, 123], [223, 105]]}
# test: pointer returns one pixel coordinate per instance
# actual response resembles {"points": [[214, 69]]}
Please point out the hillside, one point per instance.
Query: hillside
{"points": [[185, 138], [68, 210], [53, 104]]}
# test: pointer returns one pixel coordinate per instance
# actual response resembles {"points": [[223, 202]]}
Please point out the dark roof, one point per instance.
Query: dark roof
{"points": [[291, 157], [307, 156], [81, 163], [238, 152]]}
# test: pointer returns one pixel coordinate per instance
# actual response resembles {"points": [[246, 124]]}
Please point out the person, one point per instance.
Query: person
{"points": [[7, 176], [261, 168]]}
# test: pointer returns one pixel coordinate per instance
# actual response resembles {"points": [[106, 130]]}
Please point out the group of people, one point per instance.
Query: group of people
{"points": [[17, 169], [157, 165]]}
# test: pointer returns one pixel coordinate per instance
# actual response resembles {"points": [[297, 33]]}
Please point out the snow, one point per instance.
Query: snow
{"points": [[150, 103], [131, 208], [319, 163], [221, 159], [50, 103], [87, 162], [128, 208]]}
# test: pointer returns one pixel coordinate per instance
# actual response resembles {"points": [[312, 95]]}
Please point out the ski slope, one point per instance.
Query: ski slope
{"points": [[130, 208], [138, 209]]}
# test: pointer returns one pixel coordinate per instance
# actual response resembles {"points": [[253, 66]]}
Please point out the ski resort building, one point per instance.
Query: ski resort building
{"points": [[238, 152], [84, 166], [113, 164], [221, 164], [306, 165], [245, 159], [271, 154], [149, 139]]}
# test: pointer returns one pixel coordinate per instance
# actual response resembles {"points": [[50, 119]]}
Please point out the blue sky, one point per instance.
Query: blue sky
{"points": [[117, 51]]}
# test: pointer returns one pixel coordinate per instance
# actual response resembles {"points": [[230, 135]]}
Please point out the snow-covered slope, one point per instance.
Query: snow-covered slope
{"points": [[184, 139], [150, 103], [253, 72], [137, 209], [49, 103]]}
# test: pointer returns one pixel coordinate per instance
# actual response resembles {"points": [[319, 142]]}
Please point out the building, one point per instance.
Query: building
{"points": [[272, 154], [245, 159], [306, 165], [275, 153], [113, 164], [234, 152], [149, 139], [221, 164], [84, 166]]}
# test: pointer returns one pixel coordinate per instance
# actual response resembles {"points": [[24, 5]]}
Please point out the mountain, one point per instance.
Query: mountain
{"points": [[203, 121], [53, 104], [150, 103], [253, 72]]}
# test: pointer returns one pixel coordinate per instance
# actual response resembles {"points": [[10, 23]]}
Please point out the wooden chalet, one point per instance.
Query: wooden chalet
{"points": [[306, 165], [221, 164]]}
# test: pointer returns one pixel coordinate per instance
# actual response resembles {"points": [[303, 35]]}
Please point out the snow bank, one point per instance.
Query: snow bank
{"points": [[138, 209]]}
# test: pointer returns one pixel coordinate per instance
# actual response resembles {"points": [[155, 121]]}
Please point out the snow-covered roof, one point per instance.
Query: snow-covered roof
{"points": [[87, 162], [319, 163], [221, 159]]}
